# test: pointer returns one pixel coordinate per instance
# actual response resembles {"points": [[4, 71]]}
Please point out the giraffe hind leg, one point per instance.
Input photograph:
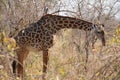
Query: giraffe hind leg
{"points": [[18, 65], [14, 66]]}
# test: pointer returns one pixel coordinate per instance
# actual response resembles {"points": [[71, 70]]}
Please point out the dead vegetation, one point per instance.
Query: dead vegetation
{"points": [[71, 57]]}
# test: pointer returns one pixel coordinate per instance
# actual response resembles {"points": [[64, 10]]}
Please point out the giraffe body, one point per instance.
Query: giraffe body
{"points": [[39, 36]]}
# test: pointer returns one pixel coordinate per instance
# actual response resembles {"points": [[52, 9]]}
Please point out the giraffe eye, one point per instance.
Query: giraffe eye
{"points": [[100, 32]]}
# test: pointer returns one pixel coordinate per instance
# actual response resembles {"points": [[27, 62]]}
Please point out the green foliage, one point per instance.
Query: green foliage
{"points": [[61, 71], [116, 37], [7, 46], [118, 31], [9, 42]]}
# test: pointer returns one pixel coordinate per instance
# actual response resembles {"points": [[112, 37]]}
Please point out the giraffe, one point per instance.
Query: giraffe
{"points": [[39, 37]]}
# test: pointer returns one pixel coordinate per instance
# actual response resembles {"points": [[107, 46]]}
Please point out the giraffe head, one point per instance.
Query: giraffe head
{"points": [[99, 32]]}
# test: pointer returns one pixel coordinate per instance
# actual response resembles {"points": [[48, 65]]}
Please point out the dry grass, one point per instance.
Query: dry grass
{"points": [[67, 63], [67, 59]]}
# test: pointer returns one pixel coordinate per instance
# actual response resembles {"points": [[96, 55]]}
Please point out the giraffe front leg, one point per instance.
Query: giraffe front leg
{"points": [[45, 62], [94, 39]]}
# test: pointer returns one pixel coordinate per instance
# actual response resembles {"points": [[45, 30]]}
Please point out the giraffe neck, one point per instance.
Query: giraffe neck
{"points": [[55, 23]]}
